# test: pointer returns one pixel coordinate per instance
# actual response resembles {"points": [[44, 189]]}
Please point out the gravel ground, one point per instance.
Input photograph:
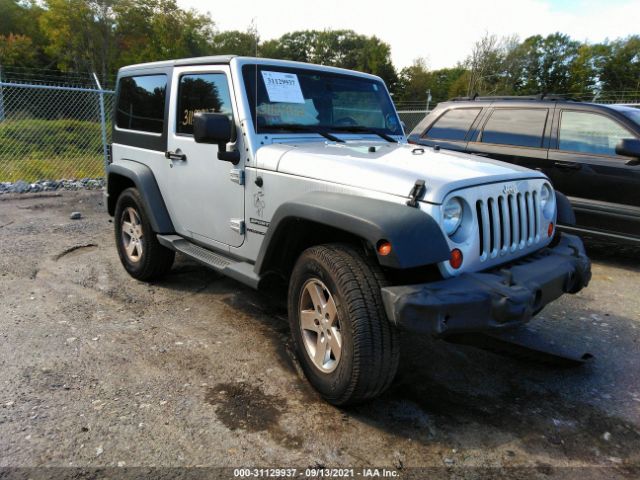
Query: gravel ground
{"points": [[99, 370]]}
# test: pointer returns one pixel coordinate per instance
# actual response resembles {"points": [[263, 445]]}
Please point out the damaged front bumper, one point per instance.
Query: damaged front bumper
{"points": [[504, 297]]}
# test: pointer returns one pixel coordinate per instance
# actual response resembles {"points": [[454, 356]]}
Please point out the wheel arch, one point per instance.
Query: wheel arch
{"points": [[127, 174], [323, 217]]}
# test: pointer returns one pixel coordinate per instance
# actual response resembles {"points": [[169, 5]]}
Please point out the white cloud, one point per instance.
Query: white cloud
{"points": [[442, 32]]}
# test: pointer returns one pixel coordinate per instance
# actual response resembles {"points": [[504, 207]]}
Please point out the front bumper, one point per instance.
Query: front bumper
{"points": [[504, 297]]}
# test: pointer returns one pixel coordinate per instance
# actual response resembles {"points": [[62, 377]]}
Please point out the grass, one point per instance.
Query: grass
{"points": [[35, 149]]}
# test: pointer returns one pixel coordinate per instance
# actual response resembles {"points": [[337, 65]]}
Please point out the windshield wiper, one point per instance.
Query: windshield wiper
{"points": [[362, 129], [296, 127]]}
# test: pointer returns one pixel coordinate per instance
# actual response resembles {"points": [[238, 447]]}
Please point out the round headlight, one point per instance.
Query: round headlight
{"points": [[547, 201], [452, 216]]}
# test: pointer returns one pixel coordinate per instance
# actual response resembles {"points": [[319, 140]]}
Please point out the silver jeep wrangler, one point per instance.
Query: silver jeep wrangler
{"points": [[264, 170]]}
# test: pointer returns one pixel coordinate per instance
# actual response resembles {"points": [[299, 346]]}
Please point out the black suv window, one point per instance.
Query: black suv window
{"points": [[454, 124], [141, 103], [522, 127], [590, 133], [202, 92]]}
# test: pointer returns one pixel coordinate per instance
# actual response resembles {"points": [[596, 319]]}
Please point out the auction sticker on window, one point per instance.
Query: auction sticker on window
{"points": [[282, 87]]}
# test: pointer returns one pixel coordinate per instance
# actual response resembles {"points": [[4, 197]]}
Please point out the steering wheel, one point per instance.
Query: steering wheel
{"points": [[346, 122]]}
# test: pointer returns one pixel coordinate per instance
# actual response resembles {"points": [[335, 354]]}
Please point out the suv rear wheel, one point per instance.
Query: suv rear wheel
{"points": [[348, 349], [138, 248]]}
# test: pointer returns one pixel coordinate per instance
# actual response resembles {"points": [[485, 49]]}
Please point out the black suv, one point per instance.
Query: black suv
{"points": [[590, 152]]}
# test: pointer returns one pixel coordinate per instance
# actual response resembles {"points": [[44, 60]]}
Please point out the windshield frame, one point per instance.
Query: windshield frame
{"points": [[250, 71]]}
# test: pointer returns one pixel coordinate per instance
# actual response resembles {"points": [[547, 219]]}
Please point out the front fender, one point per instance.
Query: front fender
{"points": [[566, 215], [416, 238]]}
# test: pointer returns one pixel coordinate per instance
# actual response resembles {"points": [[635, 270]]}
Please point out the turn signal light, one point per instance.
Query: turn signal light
{"points": [[456, 258], [384, 248], [550, 230]]}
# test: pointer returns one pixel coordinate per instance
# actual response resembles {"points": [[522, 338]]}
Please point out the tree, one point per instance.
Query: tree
{"points": [[558, 52], [484, 65], [234, 42], [415, 80], [78, 34], [149, 30], [340, 48], [620, 69], [16, 50]]}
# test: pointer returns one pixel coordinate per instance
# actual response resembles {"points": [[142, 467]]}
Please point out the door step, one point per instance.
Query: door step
{"points": [[241, 271]]}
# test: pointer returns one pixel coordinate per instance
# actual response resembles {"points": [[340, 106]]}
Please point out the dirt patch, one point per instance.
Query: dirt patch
{"points": [[245, 407], [240, 406]]}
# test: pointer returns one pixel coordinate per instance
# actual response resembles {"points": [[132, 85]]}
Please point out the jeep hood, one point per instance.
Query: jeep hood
{"points": [[388, 168]]}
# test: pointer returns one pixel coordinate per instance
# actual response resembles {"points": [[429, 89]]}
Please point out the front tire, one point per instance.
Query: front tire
{"points": [[138, 248], [347, 348]]}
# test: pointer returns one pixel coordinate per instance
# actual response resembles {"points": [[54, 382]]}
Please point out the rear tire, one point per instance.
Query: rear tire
{"points": [[347, 348], [138, 248]]}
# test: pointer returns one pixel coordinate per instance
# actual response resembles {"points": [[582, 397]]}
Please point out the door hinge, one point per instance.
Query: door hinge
{"points": [[237, 176], [237, 225]]}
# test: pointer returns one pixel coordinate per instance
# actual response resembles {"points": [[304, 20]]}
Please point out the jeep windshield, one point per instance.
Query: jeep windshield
{"points": [[294, 100]]}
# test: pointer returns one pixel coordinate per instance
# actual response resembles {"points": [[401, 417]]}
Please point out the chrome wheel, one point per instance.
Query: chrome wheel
{"points": [[320, 326], [132, 234]]}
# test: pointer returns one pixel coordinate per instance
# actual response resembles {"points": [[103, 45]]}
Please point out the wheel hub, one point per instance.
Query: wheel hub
{"points": [[132, 234], [320, 326]]}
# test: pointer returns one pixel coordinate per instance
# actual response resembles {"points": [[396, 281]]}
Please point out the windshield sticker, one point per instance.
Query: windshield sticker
{"points": [[282, 87]]}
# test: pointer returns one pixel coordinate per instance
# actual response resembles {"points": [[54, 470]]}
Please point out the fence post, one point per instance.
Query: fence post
{"points": [[103, 120], [1, 97]]}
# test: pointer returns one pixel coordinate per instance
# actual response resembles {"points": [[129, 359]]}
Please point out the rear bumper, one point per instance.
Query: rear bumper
{"points": [[493, 300]]}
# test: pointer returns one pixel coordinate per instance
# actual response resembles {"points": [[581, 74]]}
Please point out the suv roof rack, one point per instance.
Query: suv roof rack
{"points": [[539, 97]]}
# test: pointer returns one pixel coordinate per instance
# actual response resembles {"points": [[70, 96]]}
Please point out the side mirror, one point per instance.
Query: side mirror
{"points": [[215, 128], [629, 147]]}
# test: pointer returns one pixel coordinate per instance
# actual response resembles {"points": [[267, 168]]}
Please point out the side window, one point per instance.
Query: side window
{"points": [[141, 103], [520, 127], [202, 92], [453, 125], [590, 133]]}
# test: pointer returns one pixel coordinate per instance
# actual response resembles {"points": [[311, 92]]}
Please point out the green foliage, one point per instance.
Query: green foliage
{"points": [[103, 35], [620, 68], [16, 50], [339, 48], [34, 149], [233, 42], [414, 81]]}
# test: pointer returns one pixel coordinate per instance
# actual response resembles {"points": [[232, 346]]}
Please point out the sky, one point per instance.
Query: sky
{"points": [[441, 32]]}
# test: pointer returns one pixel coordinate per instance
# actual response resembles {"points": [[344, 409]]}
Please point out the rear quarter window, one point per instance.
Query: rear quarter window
{"points": [[453, 124], [520, 127], [140, 104]]}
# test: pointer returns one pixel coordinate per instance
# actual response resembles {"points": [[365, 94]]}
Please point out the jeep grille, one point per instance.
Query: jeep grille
{"points": [[507, 223]]}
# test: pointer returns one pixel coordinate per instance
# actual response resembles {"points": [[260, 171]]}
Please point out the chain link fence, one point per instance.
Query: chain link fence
{"points": [[61, 132], [411, 118], [52, 132]]}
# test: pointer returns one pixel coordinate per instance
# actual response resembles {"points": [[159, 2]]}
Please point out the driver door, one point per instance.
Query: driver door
{"points": [[206, 198]]}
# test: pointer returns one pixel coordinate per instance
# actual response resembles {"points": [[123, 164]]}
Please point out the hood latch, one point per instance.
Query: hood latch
{"points": [[416, 192]]}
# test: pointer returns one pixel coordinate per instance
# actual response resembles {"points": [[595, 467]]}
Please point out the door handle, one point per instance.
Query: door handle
{"points": [[177, 155], [568, 165], [478, 154]]}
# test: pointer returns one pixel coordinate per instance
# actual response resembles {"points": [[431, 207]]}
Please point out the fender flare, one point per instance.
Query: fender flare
{"points": [[145, 182], [416, 238], [566, 215]]}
